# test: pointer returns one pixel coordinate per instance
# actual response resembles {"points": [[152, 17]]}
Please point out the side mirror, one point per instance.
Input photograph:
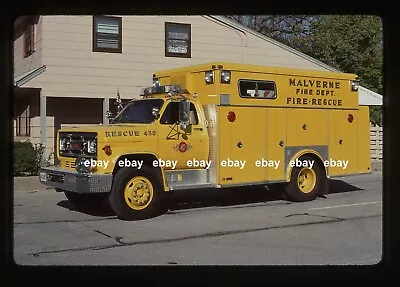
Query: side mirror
{"points": [[184, 114], [187, 128]]}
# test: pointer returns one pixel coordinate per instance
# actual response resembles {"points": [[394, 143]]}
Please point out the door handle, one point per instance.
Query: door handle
{"points": [[198, 129]]}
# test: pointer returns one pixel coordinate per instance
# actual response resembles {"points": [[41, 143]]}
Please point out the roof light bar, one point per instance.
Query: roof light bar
{"points": [[161, 90]]}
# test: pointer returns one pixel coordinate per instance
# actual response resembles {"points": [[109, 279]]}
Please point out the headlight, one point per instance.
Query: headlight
{"points": [[63, 144], [91, 146], [81, 165], [209, 77], [225, 76]]}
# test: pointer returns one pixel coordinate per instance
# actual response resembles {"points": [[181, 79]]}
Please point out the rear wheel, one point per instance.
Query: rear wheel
{"points": [[306, 183], [136, 193]]}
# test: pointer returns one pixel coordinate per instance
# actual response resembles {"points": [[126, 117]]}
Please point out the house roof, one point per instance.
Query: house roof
{"points": [[26, 77], [366, 96]]}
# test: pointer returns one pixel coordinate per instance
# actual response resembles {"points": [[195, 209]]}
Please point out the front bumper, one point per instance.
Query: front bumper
{"points": [[71, 180]]}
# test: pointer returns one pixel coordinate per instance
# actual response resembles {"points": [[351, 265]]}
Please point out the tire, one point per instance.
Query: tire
{"points": [[85, 200], [305, 183], [128, 204]]}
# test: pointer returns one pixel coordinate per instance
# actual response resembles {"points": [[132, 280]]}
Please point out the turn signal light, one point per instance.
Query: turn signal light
{"points": [[350, 118], [107, 150]]}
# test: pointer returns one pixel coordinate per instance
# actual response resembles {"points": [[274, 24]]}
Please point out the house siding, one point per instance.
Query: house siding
{"points": [[73, 70], [34, 61], [262, 52], [64, 45], [92, 74]]}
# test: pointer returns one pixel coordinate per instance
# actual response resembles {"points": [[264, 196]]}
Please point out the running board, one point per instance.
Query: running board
{"points": [[192, 187]]}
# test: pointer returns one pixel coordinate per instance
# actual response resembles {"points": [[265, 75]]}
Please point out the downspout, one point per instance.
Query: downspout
{"points": [[242, 36]]}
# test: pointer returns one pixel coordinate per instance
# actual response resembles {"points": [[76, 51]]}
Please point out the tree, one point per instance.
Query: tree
{"points": [[352, 44], [291, 30]]}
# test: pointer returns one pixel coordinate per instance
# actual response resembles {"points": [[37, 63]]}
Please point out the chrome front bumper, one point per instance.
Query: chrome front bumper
{"points": [[70, 180]]}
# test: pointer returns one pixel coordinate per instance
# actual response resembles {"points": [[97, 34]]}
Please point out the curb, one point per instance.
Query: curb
{"points": [[29, 183], [377, 165]]}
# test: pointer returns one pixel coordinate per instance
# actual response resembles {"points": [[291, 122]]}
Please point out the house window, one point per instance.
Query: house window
{"points": [[177, 40], [257, 89], [29, 40], [107, 34], [23, 123]]}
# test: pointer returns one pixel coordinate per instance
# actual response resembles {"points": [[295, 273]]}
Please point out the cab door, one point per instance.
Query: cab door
{"points": [[178, 145]]}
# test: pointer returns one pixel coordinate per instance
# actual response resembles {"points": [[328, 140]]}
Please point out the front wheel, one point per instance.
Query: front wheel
{"points": [[136, 193], [306, 183]]}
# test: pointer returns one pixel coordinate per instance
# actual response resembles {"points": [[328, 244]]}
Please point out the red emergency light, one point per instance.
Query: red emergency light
{"points": [[231, 116]]}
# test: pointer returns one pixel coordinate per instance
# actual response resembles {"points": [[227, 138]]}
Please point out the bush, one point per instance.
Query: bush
{"points": [[27, 158], [375, 113]]}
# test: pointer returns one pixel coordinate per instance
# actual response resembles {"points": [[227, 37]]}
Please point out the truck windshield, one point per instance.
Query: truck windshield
{"points": [[139, 112]]}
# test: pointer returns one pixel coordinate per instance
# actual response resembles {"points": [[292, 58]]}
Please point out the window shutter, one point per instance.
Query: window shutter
{"points": [[24, 44], [33, 38]]}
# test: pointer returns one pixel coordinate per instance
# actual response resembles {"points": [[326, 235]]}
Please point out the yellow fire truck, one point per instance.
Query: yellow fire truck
{"points": [[217, 125]]}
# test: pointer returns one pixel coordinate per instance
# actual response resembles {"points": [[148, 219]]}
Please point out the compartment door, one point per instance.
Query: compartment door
{"points": [[343, 142], [241, 143]]}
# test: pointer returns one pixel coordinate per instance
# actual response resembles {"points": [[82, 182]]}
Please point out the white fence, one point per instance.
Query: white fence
{"points": [[376, 136]]}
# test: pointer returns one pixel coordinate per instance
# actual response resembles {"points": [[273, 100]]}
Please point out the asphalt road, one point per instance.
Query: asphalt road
{"points": [[237, 226]]}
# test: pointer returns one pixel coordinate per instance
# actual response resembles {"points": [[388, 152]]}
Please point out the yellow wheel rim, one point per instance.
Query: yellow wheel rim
{"points": [[138, 193], [306, 180]]}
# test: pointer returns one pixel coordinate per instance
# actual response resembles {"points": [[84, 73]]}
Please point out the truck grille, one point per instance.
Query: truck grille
{"points": [[76, 144], [69, 164]]}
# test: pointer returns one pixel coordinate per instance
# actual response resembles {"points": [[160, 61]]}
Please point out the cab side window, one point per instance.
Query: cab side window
{"points": [[257, 89], [194, 120], [171, 114]]}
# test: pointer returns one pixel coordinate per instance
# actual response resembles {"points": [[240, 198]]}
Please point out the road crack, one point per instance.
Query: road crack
{"points": [[118, 239], [64, 221], [208, 208], [102, 233], [317, 215]]}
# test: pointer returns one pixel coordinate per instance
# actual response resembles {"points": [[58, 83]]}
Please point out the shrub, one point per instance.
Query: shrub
{"points": [[27, 158], [375, 113]]}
